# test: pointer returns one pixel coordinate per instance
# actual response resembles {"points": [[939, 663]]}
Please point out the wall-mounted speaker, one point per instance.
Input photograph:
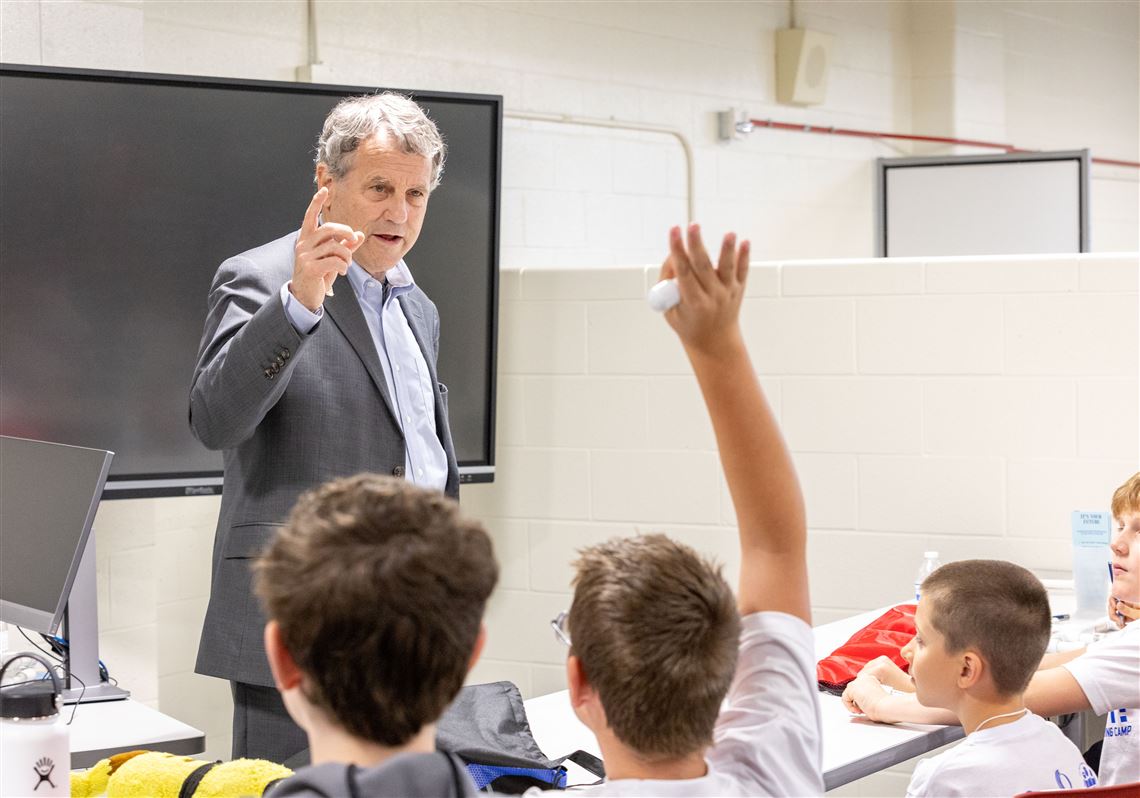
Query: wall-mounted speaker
{"points": [[802, 60]]}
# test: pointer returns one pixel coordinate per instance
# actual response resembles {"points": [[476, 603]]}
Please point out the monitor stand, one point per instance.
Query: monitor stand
{"points": [[81, 628]]}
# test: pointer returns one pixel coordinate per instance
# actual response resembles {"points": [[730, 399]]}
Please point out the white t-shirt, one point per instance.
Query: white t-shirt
{"points": [[767, 737], [1109, 675], [1029, 754]]}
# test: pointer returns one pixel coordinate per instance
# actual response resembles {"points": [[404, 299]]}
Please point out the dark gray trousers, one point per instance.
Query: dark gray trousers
{"points": [[263, 728]]}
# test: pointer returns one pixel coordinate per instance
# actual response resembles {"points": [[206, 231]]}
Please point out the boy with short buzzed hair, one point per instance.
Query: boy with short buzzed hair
{"points": [[1105, 677], [982, 628], [375, 591], [689, 691]]}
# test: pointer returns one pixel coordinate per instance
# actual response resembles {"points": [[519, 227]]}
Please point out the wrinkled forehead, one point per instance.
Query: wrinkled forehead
{"points": [[385, 156]]}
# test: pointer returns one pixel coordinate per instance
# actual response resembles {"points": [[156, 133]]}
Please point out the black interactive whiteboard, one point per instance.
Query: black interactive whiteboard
{"points": [[120, 193]]}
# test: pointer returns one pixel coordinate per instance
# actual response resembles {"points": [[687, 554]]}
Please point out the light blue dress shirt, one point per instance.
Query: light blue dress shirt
{"points": [[405, 370]]}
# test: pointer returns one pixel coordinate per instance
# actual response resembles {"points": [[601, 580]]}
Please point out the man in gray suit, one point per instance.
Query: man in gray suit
{"points": [[295, 399]]}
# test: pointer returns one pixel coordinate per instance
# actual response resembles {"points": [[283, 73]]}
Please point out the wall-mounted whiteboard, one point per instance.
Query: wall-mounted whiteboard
{"points": [[1020, 203]]}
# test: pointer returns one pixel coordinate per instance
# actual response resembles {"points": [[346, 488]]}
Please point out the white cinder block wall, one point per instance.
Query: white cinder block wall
{"points": [[1049, 75], [963, 405]]}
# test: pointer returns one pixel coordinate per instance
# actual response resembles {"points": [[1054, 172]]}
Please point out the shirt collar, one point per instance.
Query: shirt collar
{"points": [[399, 277]]}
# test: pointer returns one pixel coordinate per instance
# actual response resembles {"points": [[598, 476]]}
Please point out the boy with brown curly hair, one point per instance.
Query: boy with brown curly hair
{"points": [[375, 591]]}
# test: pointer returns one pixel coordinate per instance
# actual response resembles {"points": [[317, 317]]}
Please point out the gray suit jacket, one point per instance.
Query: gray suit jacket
{"points": [[290, 412]]}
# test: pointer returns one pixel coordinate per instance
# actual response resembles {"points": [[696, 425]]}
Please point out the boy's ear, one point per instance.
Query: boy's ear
{"points": [[972, 666], [286, 674], [584, 699], [578, 684], [477, 651]]}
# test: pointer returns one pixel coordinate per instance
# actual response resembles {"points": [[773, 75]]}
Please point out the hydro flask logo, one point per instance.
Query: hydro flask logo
{"points": [[44, 768]]}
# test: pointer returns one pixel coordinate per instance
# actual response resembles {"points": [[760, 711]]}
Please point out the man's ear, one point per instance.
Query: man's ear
{"points": [[971, 668], [477, 650], [286, 674], [324, 176], [325, 180]]}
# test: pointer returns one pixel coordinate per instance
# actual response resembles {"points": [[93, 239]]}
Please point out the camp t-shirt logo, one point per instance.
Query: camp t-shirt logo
{"points": [[1087, 776], [1118, 723], [1065, 783], [44, 768]]}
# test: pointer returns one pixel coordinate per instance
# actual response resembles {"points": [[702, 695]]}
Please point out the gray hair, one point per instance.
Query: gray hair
{"points": [[357, 119]]}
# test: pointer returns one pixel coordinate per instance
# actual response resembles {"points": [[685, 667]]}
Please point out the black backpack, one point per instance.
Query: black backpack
{"points": [[486, 727]]}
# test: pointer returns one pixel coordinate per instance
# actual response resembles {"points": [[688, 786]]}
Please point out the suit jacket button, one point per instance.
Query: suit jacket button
{"points": [[269, 374], [285, 354], [279, 362], [398, 471]]}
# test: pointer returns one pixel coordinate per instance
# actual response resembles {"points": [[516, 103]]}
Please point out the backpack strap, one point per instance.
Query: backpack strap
{"points": [[456, 778], [191, 782], [588, 762], [271, 784], [350, 782]]}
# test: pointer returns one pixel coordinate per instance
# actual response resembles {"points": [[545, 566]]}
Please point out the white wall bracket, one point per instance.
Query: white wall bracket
{"points": [[731, 124]]}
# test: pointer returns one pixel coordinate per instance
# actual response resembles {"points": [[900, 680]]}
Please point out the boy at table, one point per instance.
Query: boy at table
{"points": [[982, 628], [657, 641], [1104, 677]]}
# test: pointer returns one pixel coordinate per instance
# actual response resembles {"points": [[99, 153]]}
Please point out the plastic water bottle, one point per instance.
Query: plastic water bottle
{"points": [[35, 755], [929, 565]]}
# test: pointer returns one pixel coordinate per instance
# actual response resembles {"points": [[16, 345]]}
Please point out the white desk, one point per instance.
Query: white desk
{"points": [[852, 747], [111, 727]]}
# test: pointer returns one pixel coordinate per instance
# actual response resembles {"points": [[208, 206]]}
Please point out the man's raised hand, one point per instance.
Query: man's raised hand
{"points": [[322, 252]]}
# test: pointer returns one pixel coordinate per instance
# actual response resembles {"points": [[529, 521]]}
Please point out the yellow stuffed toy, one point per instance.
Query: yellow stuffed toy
{"points": [[157, 775]]}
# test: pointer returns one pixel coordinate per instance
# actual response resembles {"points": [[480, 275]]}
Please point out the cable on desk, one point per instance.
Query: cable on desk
{"points": [[65, 670]]}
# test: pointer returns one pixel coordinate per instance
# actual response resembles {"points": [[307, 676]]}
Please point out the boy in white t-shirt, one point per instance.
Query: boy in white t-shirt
{"points": [[657, 641], [1105, 677], [981, 629]]}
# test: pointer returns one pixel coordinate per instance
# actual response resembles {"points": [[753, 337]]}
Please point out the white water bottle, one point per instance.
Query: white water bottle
{"points": [[35, 752], [929, 565]]}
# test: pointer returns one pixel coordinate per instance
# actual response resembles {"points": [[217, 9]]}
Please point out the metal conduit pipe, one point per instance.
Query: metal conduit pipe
{"points": [[875, 134], [618, 125], [311, 29]]}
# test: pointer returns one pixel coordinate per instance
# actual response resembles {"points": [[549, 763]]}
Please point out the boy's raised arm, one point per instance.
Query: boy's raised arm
{"points": [[757, 466]]}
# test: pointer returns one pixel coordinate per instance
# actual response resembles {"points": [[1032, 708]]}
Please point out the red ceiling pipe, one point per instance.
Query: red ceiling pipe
{"points": [[876, 134]]}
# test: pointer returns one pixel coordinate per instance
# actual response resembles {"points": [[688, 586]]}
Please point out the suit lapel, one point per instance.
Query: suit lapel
{"points": [[415, 316], [345, 312]]}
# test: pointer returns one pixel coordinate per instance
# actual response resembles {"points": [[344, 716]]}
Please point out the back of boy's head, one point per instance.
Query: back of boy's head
{"points": [[999, 609], [378, 588], [656, 630], [1126, 499]]}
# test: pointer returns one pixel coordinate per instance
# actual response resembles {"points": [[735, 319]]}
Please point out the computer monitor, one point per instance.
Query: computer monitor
{"points": [[49, 493]]}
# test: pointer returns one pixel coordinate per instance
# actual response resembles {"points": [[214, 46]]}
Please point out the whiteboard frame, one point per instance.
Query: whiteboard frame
{"points": [[882, 250]]}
